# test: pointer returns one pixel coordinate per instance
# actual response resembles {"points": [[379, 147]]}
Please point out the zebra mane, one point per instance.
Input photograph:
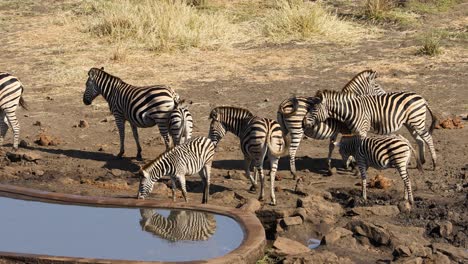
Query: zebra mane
{"points": [[366, 73], [223, 109], [151, 163], [100, 72]]}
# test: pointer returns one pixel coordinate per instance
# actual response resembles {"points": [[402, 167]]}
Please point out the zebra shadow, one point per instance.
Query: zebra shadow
{"points": [[194, 185], [111, 161], [315, 165]]}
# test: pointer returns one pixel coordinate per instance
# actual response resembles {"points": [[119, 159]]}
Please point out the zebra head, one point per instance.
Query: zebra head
{"points": [[364, 83], [146, 184], [92, 89], [348, 146], [217, 129], [318, 112]]}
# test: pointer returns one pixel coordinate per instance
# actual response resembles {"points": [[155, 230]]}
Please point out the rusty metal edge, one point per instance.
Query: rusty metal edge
{"points": [[251, 249]]}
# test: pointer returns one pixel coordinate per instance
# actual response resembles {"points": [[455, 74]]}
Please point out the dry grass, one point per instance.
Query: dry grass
{"points": [[376, 9], [299, 20], [430, 44], [163, 25]]}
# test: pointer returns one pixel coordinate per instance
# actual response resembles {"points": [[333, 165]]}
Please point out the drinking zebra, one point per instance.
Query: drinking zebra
{"points": [[179, 225], [258, 137], [142, 106], [291, 112], [384, 114], [180, 124], [11, 95], [187, 159], [380, 152]]}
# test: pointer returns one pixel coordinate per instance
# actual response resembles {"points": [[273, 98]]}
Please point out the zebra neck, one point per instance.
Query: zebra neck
{"points": [[110, 87], [342, 108], [160, 168], [237, 126]]}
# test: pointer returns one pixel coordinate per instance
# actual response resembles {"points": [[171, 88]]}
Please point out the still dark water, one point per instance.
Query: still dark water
{"points": [[115, 233]]}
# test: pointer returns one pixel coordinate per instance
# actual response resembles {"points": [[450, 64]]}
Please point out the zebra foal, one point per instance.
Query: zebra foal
{"points": [[180, 124], [380, 152], [141, 106], [11, 95], [383, 114], [187, 159], [179, 225], [292, 111], [258, 136]]}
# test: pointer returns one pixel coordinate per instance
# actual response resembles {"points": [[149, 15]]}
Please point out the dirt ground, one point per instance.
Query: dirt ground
{"points": [[52, 60]]}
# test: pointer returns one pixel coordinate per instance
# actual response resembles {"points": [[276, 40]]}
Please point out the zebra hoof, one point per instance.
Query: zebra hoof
{"points": [[139, 158], [273, 203], [253, 188]]}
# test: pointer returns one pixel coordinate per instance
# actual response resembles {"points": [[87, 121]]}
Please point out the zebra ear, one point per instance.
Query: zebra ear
{"points": [[214, 115], [102, 68], [337, 144]]}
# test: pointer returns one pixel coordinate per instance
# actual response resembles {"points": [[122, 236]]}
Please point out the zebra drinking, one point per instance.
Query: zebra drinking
{"points": [[380, 152], [180, 225], [142, 106], [258, 137], [180, 124], [384, 114], [187, 159], [291, 112], [11, 95]]}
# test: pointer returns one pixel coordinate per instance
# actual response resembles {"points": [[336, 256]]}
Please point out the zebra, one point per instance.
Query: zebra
{"points": [[180, 225], [187, 159], [142, 106], [180, 124], [380, 152], [11, 95], [384, 114], [258, 137], [291, 112]]}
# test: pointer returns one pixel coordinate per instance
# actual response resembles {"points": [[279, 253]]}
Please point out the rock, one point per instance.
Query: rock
{"points": [[37, 123], [278, 177], [43, 140], [437, 258], [23, 143], [447, 124], [235, 175], [266, 100], [301, 212], [31, 156], [225, 197], [252, 205], [13, 156], [455, 254], [161, 188], [379, 210], [377, 235], [444, 229], [299, 188], [335, 234], [293, 220], [317, 257], [65, 180], [108, 119], [116, 172], [412, 260], [39, 173], [402, 251], [380, 182], [320, 210], [83, 124], [285, 246], [332, 171]]}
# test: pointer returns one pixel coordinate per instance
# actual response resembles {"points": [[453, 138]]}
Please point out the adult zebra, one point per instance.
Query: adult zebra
{"points": [[181, 124], [179, 225], [11, 95], [195, 156], [142, 106], [258, 137], [380, 152], [384, 114], [291, 112]]}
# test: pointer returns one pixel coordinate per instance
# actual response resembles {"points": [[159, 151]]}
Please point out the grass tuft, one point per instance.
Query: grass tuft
{"points": [[430, 44], [160, 25], [376, 9]]}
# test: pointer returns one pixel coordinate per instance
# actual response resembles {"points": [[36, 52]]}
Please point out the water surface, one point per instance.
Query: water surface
{"points": [[115, 233]]}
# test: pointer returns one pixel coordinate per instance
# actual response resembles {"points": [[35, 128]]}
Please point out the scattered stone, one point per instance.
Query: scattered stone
{"points": [[327, 196], [437, 258], [290, 221], [116, 172], [235, 175], [299, 188], [320, 210], [39, 173], [13, 156], [278, 177], [317, 257], [377, 235], [101, 148], [335, 234], [37, 123], [23, 143], [83, 124], [402, 251], [301, 212], [46, 140], [451, 123], [225, 197], [31, 156], [266, 100], [459, 255], [380, 182], [412, 260], [285, 246], [49, 98], [108, 119], [252, 205], [278, 189], [332, 171], [379, 210], [444, 229]]}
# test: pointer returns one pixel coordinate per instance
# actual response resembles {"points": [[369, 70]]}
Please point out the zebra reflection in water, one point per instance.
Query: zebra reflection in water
{"points": [[179, 225]]}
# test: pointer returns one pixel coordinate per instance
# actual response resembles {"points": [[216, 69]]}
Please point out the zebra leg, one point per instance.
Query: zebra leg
{"points": [[174, 188], [363, 171], [331, 147], [274, 167], [262, 181], [402, 170], [419, 141], [296, 138], [183, 186], [163, 128], [11, 117], [206, 192], [137, 140], [120, 122], [248, 161], [3, 127]]}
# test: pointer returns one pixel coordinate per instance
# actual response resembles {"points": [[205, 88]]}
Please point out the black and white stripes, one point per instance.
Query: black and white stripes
{"points": [[180, 124], [144, 106], [187, 159], [11, 91], [380, 152]]}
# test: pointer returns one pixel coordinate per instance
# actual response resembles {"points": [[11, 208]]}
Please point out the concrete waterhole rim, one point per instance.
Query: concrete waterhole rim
{"points": [[250, 250]]}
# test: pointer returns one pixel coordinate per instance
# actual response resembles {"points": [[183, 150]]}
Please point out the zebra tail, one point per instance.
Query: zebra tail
{"points": [[23, 103], [281, 122], [418, 161], [295, 106], [434, 119], [281, 153]]}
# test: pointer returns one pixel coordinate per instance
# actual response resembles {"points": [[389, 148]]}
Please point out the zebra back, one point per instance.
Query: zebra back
{"points": [[228, 118], [11, 92], [181, 124], [363, 83], [179, 225]]}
